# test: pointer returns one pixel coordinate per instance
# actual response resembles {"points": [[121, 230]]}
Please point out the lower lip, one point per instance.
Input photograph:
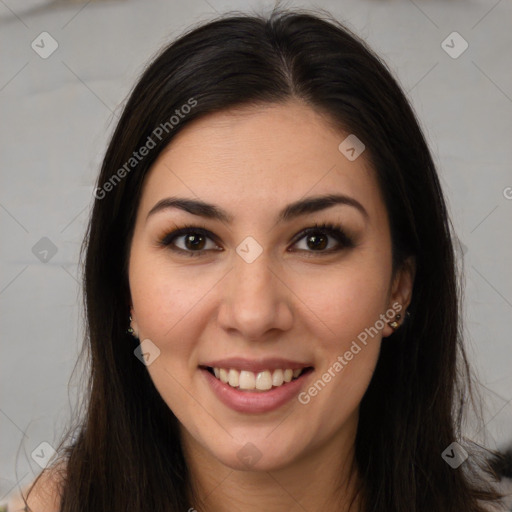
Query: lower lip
{"points": [[256, 401]]}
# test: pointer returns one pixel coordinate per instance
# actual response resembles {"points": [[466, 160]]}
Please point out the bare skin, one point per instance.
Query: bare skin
{"points": [[292, 301]]}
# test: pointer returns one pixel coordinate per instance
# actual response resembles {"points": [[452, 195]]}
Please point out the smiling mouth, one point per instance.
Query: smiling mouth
{"points": [[244, 380]]}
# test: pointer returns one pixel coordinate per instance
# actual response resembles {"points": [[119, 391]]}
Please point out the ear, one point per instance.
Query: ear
{"points": [[401, 293]]}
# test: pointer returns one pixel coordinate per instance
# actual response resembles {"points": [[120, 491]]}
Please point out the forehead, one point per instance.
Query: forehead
{"points": [[258, 159]]}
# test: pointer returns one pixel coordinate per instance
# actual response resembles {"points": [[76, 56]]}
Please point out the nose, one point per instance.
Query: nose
{"points": [[256, 301]]}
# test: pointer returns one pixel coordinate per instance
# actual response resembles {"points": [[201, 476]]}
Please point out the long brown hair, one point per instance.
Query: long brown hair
{"points": [[123, 451]]}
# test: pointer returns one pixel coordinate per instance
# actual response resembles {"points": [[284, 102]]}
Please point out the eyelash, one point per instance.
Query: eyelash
{"points": [[334, 230]]}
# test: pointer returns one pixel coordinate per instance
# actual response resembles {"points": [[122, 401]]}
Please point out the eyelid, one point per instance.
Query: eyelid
{"points": [[180, 231], [336, 231]]}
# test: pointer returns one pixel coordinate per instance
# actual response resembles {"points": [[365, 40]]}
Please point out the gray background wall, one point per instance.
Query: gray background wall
{"points": [[57, 113]]}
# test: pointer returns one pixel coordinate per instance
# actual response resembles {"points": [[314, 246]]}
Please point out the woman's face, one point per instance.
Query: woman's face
{"points": [[256, 289]]}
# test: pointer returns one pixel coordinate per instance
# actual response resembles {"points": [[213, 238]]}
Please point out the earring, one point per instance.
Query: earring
{"points": [[394, 324], [130, 329]]}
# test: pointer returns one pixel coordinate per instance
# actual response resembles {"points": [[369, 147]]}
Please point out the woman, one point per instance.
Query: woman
{"points": [[271, 291]]}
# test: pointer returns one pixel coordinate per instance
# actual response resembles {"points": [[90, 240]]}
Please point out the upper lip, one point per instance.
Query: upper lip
{"points": [[256, 365]]}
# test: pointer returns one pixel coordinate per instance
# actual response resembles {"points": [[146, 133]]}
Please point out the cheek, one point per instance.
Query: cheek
{"points": [[344, 302], [347, 329], [162, 295], [343, 312], [166, 305], [170, 311]]}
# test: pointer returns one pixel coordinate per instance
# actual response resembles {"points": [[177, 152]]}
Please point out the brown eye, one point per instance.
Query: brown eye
{"points": [[194, 241], [317, 239], [317, 242], [189, 240]]}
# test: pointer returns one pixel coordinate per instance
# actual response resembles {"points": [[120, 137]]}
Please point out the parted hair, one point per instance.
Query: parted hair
{"points": [[122, 451]]}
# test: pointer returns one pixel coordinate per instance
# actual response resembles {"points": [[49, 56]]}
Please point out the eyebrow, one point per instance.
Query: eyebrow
{"points": [[290, 212]]}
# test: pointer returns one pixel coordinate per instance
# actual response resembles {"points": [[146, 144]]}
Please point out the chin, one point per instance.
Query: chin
{"points": [[250, 458]]}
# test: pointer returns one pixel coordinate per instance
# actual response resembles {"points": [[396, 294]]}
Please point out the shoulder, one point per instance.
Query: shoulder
{"points": [[44, 496]]}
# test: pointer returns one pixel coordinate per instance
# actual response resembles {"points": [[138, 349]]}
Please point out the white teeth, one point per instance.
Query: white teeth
{"points": [[223, 375], [233, 378], [264, 381], [247, 379], [261, 381], [277, 378]]}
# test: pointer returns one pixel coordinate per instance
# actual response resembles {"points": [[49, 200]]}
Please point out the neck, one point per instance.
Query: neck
{"points": [[323, 479]]}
